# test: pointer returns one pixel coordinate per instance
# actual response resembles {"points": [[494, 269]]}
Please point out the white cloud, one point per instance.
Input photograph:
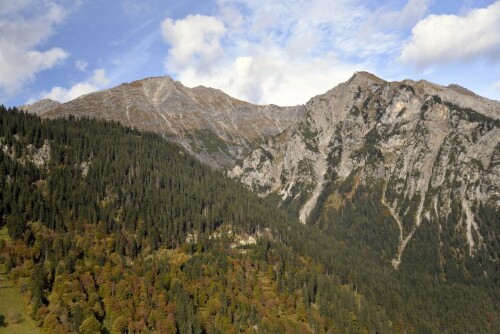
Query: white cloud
{"points": [[413, 11], [9, 6], [81, 65], [324, 25], [21, 35], [99, 80], [387, 19], [271, 78], [280, 52], [286, 51], [439, 39], [194, 40]]}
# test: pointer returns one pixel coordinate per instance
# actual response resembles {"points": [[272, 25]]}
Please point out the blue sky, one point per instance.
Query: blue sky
{"points": [[280, 52]]}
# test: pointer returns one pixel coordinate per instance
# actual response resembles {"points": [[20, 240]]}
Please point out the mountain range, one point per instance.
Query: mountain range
{"points": [[396, 186], [434, 150], [215, 127]]}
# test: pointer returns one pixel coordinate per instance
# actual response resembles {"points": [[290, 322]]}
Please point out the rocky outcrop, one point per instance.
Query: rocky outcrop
{"points": [[40, 107], [215, 127], [433, 148]]}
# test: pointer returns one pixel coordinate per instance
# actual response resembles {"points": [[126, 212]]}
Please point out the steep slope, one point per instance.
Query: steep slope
{"points": [[435, 151], [217, 128], [111, 249], [400, 178], [40, 107]]}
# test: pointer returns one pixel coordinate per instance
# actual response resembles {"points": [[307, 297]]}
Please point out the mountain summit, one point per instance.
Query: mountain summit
{"points": [[217, 128], [40, 107], [433, 152]]}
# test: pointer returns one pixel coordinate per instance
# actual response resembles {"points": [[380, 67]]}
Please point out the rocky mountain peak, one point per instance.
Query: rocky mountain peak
{"points": [[365, 77], [432, 149], [462, 90], [215, 127], [40, 106]]}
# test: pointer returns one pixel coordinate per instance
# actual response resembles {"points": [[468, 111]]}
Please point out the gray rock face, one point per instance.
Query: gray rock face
{"points": [[430, 146], [215, 127], [39, 107]]}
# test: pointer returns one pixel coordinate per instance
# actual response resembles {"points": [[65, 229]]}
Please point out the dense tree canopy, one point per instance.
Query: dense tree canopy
{"points": [[119, 231]]}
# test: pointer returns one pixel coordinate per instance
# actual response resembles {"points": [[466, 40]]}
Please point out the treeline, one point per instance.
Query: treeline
{"points": [[132, 178], [118, 231]]}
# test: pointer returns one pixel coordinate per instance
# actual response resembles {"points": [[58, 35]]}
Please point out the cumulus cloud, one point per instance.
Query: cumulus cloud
{"points": [[272, 78], [99, 80], [280, 52], [439, 39], [194, 40], [21, 36], [286, 51]]}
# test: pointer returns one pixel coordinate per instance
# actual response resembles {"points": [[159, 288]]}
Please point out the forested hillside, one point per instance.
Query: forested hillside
{"points": [[114, 230], [117, 231]]}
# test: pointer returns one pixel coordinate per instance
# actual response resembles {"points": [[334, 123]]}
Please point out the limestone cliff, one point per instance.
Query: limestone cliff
{"points": [[435, 150]]}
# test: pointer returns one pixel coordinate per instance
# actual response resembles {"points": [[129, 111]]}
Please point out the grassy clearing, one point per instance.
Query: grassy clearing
{"points": [[14, 318]]}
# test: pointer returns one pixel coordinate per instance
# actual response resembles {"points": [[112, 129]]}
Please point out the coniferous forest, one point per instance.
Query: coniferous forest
{"points": [[112, 230]]}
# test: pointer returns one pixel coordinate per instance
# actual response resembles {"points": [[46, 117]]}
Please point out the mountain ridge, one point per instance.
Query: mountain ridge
{"points": [[401, 180], [40, 107], [403, 135], [236, 126], [453, 87], [432, 149], [163, 105]]}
